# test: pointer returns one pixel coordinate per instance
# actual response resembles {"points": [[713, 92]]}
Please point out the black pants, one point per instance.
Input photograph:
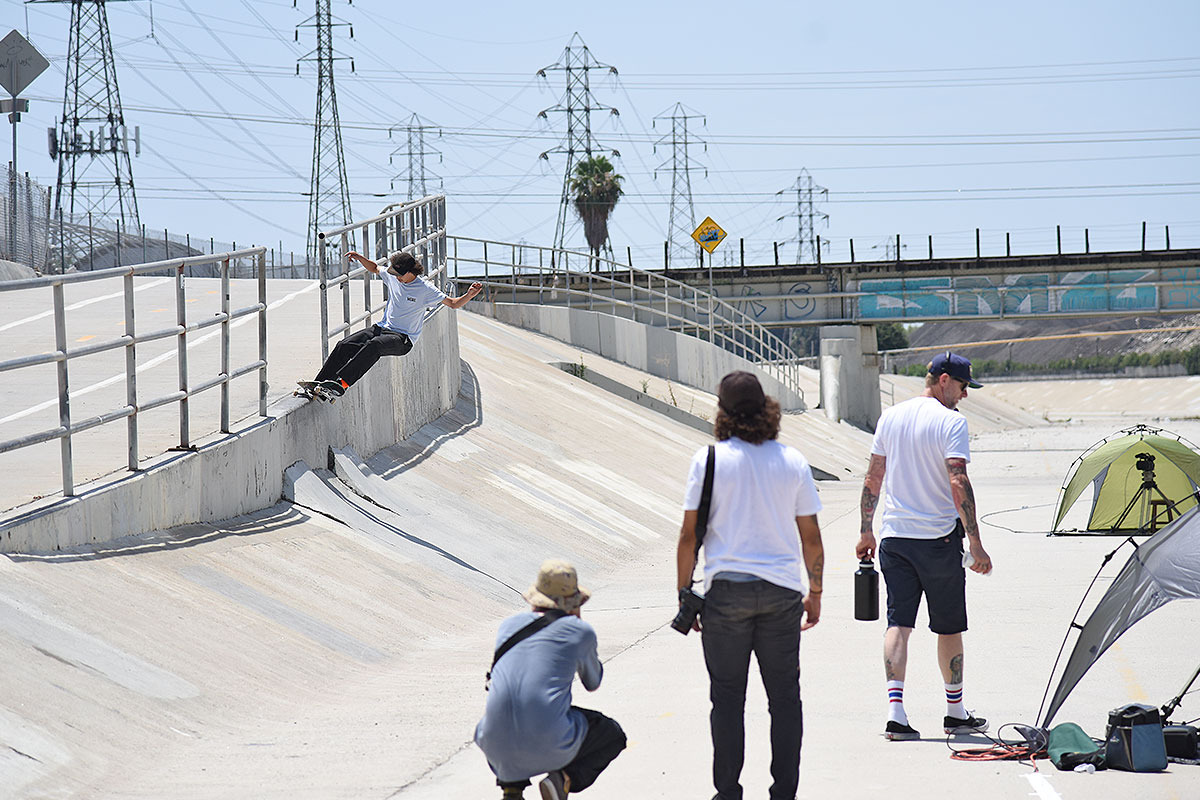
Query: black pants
{"points": [[356, 354], [602, 743], [764, 618]]}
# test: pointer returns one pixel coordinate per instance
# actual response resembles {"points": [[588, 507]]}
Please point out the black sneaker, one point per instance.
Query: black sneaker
{"points": [[334, 388], [972, 724], [899, 732]]}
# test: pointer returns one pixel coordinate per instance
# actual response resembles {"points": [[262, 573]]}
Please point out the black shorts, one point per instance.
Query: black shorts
{"points": [[931, 566]]}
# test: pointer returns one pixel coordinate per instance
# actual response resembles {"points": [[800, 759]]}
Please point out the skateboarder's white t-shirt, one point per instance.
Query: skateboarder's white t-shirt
{"points": [[529, 727], [405, 312]]}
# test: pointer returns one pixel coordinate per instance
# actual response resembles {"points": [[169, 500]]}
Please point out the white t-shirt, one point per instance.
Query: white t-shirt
{"points": [[916, 437], [407, 302], [758, 491]]}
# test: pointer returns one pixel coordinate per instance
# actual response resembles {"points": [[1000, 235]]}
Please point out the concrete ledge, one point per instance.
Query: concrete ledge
{"points": [[663, 353], [240, 472]]}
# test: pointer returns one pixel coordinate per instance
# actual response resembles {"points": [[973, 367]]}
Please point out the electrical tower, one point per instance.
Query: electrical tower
{"points": [[578, 104], [329, 194], [682, 249], [416, 174], [91, 142], [807, 216]]}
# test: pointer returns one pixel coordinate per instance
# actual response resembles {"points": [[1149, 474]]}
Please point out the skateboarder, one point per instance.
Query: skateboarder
{"points": [[409, 295]]}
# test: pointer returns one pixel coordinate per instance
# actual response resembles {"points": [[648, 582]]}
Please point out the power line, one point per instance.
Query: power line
{"points": [[329, 203], [681, 221], [577, 106]]}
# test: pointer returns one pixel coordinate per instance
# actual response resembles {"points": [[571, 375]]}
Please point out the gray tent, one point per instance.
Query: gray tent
{"points": [[1165, 567]]}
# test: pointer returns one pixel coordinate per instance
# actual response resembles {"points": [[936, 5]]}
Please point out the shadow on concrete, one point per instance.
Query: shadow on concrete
{"points": [[467, 413], [277, 517]]}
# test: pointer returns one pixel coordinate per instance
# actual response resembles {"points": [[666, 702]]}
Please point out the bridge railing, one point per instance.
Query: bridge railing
{"points": [[549, 276], [63, 357], [417, 227]]}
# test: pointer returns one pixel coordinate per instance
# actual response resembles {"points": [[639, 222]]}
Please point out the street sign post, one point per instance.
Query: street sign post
{"points": [[20, 64]]}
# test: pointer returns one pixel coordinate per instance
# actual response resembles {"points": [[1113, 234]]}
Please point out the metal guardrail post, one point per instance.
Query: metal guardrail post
{"points": [[225, 309], [262, 334], [541, 280], [514, 273], [344, 261], [181, 356], [131, 374], [324, 279], [485, 269], [64, 397], [366, 251]]}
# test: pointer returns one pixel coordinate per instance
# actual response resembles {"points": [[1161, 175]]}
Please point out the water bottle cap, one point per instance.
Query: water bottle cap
{"points": [[866, 562]]}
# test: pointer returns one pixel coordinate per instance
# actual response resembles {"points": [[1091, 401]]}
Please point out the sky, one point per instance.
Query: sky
{"points": [[919, 119]]}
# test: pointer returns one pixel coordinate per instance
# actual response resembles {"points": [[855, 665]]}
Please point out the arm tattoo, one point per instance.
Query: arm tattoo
{"points": [[867, 507], [816, 573], [957, 470]]}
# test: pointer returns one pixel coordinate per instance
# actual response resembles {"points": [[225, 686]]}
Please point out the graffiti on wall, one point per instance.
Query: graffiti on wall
{"points": [[1036, 293]]}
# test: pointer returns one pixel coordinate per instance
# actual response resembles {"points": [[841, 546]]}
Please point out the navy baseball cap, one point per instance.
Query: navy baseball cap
{"points": [[955, 366]]}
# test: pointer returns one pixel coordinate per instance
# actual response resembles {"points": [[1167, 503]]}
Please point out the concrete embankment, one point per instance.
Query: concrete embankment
{"points": [[334, 646], [228, 475]]}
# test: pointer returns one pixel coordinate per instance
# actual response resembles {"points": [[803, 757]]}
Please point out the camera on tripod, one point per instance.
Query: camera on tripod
{"points": [[1145, 464]]}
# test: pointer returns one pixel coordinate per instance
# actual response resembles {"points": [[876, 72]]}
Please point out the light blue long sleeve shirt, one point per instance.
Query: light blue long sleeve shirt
{"points": [[529, 727]]}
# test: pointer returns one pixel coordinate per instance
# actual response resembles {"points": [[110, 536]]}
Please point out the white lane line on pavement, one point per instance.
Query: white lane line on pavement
{"points": [[154, 362], [1041, 786], [83, 303]]}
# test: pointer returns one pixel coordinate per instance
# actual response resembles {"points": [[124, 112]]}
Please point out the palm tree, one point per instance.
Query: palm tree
{"points": [[596, 188]]}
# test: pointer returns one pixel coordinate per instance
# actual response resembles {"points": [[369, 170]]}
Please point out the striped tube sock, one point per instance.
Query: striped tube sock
{"points": [[954, 703], [896, 702]]}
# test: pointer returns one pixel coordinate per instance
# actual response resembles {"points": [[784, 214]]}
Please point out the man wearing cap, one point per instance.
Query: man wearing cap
{"points": [[919, 462], [529, 726], [763, 567]]}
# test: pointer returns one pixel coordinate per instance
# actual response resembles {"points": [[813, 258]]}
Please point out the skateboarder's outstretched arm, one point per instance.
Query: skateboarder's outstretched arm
{"points": [[465, 297], [370, 265]]}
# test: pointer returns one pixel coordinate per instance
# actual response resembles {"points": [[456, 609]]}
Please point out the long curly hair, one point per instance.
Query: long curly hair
{"points": [[755, 429]]}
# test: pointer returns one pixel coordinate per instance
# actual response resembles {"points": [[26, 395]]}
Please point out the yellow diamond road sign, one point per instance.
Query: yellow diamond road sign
{"points": [[708, 234]]}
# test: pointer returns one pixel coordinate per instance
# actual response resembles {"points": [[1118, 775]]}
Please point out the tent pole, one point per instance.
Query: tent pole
{"points": [[1075, 624], [1170, 707]]}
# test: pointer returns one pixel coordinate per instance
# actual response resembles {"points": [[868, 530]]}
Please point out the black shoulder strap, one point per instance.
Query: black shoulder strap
{"points": [[705, 497], [543, 621]]}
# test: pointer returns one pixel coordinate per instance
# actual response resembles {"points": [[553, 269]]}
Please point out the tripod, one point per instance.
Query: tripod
{"points": [[1146, 490]]}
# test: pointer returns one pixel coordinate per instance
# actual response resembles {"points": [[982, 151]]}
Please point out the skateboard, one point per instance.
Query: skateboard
{"points": [[313, 390]]}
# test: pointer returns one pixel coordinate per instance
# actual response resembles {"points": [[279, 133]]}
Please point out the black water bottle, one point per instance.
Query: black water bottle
{"points": [[866, 591]]}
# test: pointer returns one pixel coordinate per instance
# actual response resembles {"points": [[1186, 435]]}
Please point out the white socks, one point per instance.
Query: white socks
{"points": [[954, 703], [896, 713]]}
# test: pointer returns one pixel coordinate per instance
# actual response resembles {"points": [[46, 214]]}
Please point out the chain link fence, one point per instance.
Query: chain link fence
{"points": [[85, 243], [25, 215]]}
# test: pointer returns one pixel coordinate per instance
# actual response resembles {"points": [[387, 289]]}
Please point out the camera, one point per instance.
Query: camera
{"points": [[1145, 462], [690, 605]]}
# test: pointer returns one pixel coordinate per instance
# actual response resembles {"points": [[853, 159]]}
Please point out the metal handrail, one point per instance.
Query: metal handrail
{"points": [[62, 356], [696, 312], [417, 227]]}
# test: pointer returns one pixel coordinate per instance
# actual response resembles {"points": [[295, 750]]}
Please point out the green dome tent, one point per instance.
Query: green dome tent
{"points": [[1121, 499]]}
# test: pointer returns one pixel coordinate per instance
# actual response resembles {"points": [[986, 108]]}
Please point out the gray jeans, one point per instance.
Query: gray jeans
{"points": [[764, 618]]}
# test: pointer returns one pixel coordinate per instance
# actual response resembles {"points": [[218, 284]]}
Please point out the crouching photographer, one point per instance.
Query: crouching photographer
{"points": [[751, 505]]}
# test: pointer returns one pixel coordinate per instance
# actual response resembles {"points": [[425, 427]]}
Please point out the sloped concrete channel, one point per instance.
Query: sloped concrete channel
{"points": [[334, 644]]}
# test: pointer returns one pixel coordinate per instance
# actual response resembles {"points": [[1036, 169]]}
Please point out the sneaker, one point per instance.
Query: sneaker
{"points": [[553, 786], [972, 724], [899, 732], [334, 388]]}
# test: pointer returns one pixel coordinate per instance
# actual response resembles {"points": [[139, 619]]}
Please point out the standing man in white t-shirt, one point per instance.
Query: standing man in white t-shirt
{"points": [[919, 461], [763, 567], [409, 294]]}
